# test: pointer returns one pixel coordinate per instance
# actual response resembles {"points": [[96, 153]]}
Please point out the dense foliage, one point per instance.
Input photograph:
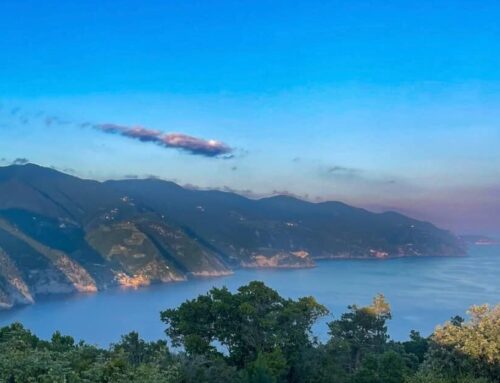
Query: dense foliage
{"points": [[256, 336]]}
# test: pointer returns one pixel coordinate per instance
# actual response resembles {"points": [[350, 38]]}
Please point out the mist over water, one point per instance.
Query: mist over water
{"points": [[423, 292]]}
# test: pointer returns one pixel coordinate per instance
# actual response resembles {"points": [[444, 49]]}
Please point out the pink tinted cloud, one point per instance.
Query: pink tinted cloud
{"points": [[190, 144]]}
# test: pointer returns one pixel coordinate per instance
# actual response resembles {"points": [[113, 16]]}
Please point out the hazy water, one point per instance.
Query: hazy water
{"points": [[422, 292]]}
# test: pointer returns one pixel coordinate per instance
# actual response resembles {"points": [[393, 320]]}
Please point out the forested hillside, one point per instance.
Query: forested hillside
{"points": [[256, 336], [61, 234]]}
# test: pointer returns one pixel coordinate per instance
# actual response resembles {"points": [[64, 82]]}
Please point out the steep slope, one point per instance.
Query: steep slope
{"points": [[13, 289], [78, 277], [60, 234]]}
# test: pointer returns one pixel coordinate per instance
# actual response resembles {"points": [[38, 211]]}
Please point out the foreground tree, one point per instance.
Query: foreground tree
{"points": [[360, 331], [251, 324], [467, 349]]}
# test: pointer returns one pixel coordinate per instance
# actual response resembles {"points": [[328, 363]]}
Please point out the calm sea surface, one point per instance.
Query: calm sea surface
{"points": [[422, 292]]}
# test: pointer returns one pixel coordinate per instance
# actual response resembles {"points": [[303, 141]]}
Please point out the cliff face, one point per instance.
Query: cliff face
{"points": [[61, 234]]}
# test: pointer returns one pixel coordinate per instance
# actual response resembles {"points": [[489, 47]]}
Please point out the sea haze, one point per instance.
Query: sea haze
{"points": [[423, 292]]}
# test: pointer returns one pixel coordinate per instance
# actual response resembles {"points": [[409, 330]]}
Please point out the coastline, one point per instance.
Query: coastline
{"points": [[222, 274]]}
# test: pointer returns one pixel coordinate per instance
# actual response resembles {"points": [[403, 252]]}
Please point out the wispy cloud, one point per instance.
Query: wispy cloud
{"points": [[131, 176], [20, 161], [342, 170], [248, 193], [193, 145]]}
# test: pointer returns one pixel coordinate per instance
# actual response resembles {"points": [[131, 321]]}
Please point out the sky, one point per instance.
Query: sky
{"points": [[386, 105]]}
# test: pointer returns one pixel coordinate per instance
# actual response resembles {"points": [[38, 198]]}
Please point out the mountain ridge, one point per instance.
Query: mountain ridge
{"points": [[61, 234]]}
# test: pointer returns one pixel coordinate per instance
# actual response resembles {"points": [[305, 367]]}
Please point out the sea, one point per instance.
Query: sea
{"points": [[422, 292]]}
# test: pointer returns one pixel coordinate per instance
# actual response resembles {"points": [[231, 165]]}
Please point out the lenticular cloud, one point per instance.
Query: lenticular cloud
{"points": [[193, 145]]}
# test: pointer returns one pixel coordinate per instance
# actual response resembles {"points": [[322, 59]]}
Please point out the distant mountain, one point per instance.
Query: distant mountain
{"points": [[60, 234]]}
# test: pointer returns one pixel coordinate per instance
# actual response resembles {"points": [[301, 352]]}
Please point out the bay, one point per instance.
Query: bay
{"points": [[422, 292]]}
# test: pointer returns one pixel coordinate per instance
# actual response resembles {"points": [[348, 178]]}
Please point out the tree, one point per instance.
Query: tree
{"points": [[267, 368], [61, 342], [201, 369], [254, 321], [417, 345], [360, 331], [138, 351], [468, 349]]}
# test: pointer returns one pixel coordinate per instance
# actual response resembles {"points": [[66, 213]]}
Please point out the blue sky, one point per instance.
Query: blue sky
{"points": [[383, 104]]}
